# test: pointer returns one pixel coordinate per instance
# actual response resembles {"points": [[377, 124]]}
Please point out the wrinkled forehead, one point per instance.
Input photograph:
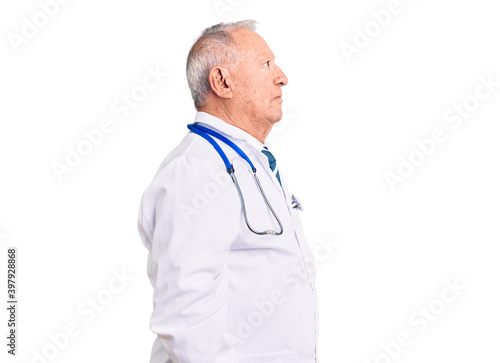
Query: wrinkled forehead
{"points": [[251, 46]]}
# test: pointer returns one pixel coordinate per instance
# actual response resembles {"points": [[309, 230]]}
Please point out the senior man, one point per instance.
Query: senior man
{"points": [[222, 292]]}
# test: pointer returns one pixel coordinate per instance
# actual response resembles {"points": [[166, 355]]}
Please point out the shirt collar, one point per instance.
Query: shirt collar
{"points": [[227, 129]]}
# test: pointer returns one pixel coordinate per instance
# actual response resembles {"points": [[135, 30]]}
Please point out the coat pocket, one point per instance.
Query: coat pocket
{"points": [[288, 356]]}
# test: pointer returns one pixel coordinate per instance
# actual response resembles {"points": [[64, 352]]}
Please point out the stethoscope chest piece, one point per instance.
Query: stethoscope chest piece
{"points": [[296, 203]]}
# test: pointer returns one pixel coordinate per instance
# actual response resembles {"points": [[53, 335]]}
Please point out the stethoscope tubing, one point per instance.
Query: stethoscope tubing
{"points": [[205, 132], [235, 147]]}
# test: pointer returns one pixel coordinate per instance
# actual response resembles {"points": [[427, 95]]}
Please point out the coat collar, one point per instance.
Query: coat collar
{"points": [[215, 123], [227, 129]]}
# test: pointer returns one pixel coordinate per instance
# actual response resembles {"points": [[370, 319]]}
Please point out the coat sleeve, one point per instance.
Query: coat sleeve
{"points": [[189, 218]]}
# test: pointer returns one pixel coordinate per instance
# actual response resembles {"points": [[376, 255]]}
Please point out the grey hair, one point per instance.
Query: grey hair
{"points": [[215, 47]]}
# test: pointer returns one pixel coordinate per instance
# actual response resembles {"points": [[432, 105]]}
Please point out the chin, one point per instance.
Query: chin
{"points": [[276, 117]]}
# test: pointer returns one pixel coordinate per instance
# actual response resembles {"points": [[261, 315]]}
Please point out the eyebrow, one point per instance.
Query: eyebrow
{"points": [[267, 56]]}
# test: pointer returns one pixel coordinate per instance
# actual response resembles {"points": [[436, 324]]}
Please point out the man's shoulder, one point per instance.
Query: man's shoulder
{"points": [[193, 152], [191, 178], [193, 162]]}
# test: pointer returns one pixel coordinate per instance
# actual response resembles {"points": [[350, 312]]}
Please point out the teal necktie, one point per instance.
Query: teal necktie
{"points": [[272, 163]]}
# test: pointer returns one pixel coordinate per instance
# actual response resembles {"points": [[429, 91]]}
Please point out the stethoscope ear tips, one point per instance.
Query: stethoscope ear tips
{"points": [[296, 203]]}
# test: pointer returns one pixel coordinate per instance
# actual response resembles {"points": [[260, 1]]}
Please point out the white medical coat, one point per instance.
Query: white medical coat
{"points": [[223, 294]]}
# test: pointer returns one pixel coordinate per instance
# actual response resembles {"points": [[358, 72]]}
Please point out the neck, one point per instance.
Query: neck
{"points": [[258, 129]]}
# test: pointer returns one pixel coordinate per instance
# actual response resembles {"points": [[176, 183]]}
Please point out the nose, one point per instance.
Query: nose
{"points": [[280, 79]]}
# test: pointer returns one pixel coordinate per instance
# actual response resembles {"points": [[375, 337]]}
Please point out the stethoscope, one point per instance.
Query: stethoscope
{"points": [[205, 132]]}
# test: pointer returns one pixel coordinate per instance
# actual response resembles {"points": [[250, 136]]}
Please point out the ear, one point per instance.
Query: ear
{"points": [[220, 82]]}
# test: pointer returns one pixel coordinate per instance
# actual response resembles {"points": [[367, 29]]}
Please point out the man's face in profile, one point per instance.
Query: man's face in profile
{"points": [[257, 79]]}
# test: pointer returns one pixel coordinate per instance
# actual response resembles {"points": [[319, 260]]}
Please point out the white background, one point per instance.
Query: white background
{"points": [[346, 124]]}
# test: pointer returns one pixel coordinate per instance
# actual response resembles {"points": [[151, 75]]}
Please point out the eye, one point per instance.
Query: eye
{"points": [[268, 63]]}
